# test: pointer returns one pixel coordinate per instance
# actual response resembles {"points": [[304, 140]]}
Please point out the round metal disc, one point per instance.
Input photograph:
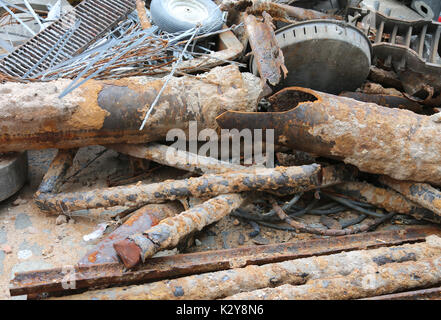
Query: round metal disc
{"points": [[324, 55], [13, 173]]}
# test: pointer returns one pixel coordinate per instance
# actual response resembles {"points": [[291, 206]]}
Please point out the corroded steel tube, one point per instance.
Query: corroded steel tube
{"points": [[389, 101], [169, 232], [142, 219], [384, 198], [301, 178], [176, 158], [378, 280], [54, 176], [421, 193], [394, 142], [111, 111], [220, 284]]}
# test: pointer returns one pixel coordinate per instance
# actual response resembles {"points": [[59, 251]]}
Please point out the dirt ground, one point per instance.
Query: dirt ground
{"points": [[31, 239]]}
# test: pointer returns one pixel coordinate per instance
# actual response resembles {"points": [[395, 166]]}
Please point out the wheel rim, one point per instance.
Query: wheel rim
{"points": [[190, 10]]}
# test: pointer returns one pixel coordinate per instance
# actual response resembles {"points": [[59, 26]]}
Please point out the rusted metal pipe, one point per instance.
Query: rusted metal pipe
{"points": [[421, 193], [142, 219], [215, 285], [378, 280], [425, 294], [111, 111], [267, 53], [44, 282], [384, 100], [380, 140], [53, 179], [168, 233], [384, 198], [302, 178], [176, 158]]}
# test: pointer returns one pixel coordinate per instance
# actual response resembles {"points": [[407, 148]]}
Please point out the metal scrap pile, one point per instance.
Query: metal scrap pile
{"points": [[308, 117]]}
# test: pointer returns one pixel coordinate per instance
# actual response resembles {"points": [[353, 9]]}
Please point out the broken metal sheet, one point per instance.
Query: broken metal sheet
{"points": [[111, 111], [302, 178], [53, 178], [384, 198], [168, 233], [220, 284], [366, 282], [421, 193], [141, 220], [157, 268], [356, 132], [388, 101], [267, 54]]}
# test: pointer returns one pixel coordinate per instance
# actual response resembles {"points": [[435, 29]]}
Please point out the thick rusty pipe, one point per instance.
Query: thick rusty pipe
{"points": [[111, 111], [394, 142], [302, 178], [142, 219]]}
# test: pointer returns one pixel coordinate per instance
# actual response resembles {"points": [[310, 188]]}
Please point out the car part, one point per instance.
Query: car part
{"points": [[178, 15], [313, 52], [429, 9], [13, 173]]}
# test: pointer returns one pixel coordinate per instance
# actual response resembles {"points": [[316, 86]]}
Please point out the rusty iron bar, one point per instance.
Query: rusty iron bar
{"points": [[425, 294], [421, 193], [384, 198], [220, 284], [356, 132], [169, 232], [267, 53], [111, 111], [176, 158], [113, 274], [142, 219], [389, 101], [142, 15], [376, 280], [302, 178], [53, 179]]}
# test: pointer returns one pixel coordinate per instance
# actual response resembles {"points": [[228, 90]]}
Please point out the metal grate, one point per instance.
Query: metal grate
{"points": [[68, 36]]}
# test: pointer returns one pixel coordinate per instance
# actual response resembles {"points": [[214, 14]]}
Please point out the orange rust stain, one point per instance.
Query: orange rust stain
{"points": [[437, 203], [89, 115], [92, 257]]}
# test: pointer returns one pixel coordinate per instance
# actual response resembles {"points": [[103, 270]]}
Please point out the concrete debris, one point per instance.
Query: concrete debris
{"points": [[238, 149]]}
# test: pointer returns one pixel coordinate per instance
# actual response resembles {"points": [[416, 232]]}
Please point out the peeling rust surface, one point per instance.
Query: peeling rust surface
{"points": [[111, 111], [369, 281], [421, 193], [394, 142], [267, 53], [384, 198], [220, 284], [302, 178], [142, 219]]}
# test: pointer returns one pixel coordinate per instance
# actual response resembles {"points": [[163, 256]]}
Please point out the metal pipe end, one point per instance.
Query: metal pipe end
{"points": [[128, 252]]}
